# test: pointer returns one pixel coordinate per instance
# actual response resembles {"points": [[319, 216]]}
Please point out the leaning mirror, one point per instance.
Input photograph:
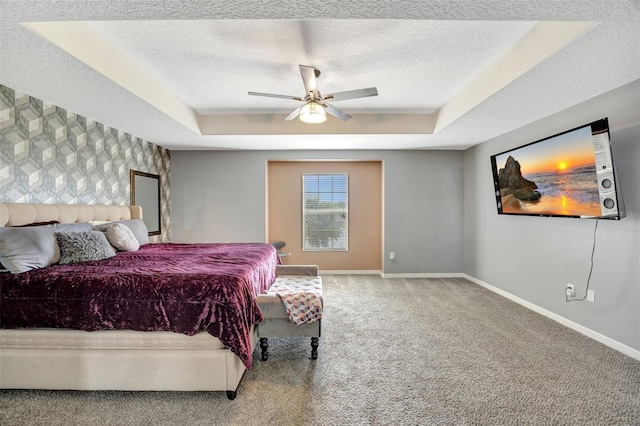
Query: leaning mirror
{"points": [[145, 192]]}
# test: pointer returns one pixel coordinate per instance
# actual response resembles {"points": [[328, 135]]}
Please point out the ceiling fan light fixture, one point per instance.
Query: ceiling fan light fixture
{"points": [[312, 113]]}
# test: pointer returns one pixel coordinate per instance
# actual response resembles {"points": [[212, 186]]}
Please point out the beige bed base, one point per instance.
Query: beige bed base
{"points": [[110, 369]]}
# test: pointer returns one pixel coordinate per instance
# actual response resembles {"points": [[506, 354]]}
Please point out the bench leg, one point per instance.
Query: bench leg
{"points": [[264, 345], [314, 347]]}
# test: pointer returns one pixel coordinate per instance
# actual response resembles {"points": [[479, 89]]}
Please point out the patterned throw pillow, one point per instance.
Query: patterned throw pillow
{"points": [[121, 237], [83, 246]]}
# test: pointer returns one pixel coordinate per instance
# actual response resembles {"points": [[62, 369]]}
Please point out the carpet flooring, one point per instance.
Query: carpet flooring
{"points": [[392, 352]]}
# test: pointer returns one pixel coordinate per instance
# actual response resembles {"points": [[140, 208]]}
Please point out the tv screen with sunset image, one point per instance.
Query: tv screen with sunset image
{"points": [[569, 174]]}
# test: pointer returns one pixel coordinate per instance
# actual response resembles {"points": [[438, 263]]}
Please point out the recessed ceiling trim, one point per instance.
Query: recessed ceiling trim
{"points": [[541, 42], [84, 43], [270, 124]]}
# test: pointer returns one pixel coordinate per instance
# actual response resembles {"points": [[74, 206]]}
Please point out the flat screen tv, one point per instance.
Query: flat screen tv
{"points": [[570, 174]]}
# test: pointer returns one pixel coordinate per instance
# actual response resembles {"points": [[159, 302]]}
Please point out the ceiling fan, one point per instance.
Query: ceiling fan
{"points": [[315, 106]]}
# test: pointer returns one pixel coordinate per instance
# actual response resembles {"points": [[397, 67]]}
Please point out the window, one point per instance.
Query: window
{"points": [[325, 212]]}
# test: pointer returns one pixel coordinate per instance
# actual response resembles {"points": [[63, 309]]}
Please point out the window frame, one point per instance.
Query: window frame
{"points": [[344, 211]]}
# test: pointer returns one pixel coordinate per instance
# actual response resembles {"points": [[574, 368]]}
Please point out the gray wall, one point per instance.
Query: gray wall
{"points": [[534, 257], [219, 196]]}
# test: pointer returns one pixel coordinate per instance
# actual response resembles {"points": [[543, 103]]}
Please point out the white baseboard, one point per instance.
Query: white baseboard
{"points": [[613, 344], [399, 275], [424, 275], [349, 272]]}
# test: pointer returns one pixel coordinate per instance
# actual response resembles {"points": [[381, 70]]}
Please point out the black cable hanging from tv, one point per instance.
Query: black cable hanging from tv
{"points": [[593, 250]]}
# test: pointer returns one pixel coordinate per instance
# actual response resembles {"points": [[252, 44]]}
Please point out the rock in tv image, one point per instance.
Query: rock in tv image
{"points": [[558, 176]]}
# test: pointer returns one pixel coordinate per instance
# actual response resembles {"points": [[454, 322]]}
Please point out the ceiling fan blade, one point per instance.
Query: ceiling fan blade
{"points": [[309, 79], [352, 94], [336, 112], [271, 95], [294, 114]]}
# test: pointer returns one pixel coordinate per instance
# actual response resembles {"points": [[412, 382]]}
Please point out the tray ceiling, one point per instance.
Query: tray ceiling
{"points": [[449, 74]]}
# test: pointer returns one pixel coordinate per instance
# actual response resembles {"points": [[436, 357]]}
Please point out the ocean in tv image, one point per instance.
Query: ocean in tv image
{"points": [[556, 176]]}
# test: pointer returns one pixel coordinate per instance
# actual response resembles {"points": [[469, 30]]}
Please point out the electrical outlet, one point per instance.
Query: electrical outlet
{"points": [[570, 290], [392, 256], [591, 296]]}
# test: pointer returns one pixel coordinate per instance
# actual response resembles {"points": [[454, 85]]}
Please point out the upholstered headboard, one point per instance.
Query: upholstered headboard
{"points": [[14, 214]]}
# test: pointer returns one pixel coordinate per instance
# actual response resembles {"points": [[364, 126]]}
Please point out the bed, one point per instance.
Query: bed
{"points": [[184, 330]]}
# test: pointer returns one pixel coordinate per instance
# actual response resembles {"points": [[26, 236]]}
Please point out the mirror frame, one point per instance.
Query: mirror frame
{"points": [[145, 206]]}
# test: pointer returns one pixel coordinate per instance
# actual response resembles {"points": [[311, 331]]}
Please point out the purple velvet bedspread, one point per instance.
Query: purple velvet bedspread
{"points": [[184, 288]]}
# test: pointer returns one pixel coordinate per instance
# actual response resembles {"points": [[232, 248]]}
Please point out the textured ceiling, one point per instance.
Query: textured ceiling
{"points": [[212, 64], [423, 56]]}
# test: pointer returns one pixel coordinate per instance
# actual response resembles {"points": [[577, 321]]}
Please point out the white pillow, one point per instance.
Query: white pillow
{"points": [[121, 237], [137, 226]]}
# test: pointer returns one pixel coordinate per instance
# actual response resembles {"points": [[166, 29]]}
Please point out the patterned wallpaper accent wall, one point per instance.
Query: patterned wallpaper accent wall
{"points": [[51, 155]]}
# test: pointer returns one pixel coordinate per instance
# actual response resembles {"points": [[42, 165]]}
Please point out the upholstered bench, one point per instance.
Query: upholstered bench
{"points": [[302, 285]]}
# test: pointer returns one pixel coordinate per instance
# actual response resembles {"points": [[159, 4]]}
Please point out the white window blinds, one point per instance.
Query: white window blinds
{"points": [[325, 212]]}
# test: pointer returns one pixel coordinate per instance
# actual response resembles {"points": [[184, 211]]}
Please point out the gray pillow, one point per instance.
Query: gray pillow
{"points": [[24, 249], [83, 246], [73, 227], [137, 226]]}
